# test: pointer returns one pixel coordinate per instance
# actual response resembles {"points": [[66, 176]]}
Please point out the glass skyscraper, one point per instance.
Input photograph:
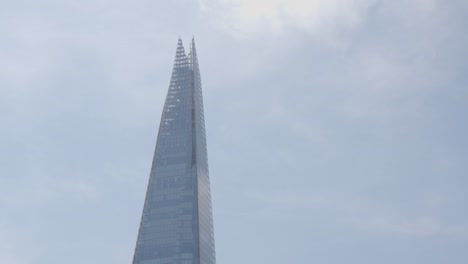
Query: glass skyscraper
{"points": [[177, 226]]}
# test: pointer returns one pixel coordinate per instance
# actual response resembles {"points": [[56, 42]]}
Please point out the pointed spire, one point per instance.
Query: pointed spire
{"points": [[179, 170], [180, 57], [192, 46], [193, 54], [180, 46]]}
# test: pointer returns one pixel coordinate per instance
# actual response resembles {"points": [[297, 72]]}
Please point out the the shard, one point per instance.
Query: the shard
{"points": [[177, 226]]}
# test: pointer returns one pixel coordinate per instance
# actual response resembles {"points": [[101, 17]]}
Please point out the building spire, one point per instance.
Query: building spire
{"points": [[192, 46], [176, 224], [193, 60], [180, 58]]}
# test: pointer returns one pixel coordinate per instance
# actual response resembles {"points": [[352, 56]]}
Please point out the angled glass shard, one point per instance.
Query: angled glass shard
{"points": [[176, 226]]}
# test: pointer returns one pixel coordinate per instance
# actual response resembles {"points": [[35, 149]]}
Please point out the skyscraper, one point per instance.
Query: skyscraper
{"points": [[177, 226]]}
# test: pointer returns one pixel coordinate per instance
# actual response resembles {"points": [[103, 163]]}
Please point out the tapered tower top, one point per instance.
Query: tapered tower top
{"points": [[176, 225]]}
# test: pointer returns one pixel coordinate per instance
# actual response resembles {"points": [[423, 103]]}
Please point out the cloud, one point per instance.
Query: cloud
{"points": [[253, 16], [10, 251]]}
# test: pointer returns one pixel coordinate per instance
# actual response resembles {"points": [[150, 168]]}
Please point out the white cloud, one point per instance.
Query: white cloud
{"points": [[250, 16]]}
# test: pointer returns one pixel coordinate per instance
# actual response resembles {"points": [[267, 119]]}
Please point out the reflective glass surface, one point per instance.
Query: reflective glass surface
{"points": [[176, 225]]}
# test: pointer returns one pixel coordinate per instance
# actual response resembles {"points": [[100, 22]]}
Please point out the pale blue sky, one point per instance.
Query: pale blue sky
{"points": [[337, 129]]}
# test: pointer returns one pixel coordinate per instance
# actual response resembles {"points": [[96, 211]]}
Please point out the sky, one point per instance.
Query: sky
{"points": [[336, 129]]}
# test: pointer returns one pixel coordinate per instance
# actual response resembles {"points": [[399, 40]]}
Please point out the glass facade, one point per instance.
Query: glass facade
{"points": [[176, 226]]}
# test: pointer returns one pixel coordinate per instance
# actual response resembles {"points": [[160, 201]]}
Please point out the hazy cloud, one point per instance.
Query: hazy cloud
{"points": [[317, 16]]}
